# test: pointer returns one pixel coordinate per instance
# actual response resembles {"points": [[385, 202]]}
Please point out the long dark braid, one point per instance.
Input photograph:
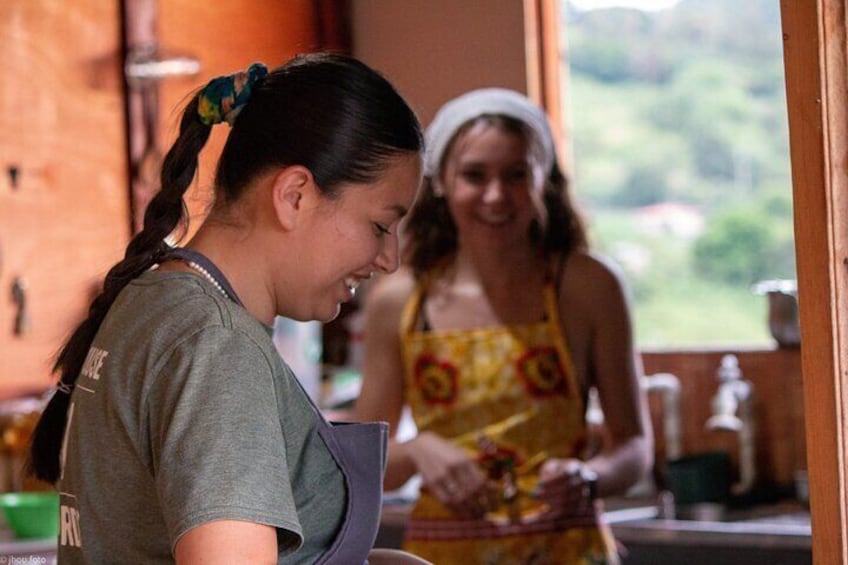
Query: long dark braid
{"points": [[164, 214]]}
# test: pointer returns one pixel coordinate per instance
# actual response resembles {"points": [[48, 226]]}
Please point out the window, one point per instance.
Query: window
{"points": [[677, 118]]}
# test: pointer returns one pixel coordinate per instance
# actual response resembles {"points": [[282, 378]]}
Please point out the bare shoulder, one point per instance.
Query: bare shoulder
{"points": [[592, 289], [588, 275]]}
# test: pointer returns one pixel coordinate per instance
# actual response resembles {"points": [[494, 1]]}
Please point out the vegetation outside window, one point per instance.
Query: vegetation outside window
{"points": [[678, 123]]}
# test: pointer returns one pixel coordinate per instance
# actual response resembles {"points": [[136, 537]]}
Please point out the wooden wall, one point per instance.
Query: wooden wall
{"points": [[226, 36], [65, 158], [64, 214], [434, 50]]}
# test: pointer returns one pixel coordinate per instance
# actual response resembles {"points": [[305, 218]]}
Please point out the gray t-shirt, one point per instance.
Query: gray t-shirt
{"points": [[184, 413]]}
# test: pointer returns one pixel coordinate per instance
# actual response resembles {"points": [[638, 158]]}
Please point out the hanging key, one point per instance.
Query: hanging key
{"points": [[22, 312]]}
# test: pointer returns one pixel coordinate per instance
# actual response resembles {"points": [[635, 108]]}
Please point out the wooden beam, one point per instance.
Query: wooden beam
{"points": [[817, 91], [546, 78]]}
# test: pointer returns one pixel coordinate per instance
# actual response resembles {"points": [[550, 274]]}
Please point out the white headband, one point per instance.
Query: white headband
{"points": [[487, 101]]}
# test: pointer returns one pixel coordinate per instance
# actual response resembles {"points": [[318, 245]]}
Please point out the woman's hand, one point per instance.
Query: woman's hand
{"points": [[453, 476], [565, 485]]}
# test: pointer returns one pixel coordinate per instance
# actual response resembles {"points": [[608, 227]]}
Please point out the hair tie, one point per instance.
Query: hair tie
{"points": [[222, 98]]}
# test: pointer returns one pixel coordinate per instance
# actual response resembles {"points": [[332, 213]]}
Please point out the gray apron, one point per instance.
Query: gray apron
{"points": [[359, 449]]}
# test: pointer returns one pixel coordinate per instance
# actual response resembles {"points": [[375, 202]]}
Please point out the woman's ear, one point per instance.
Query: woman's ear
{"points": [[289, 187]]}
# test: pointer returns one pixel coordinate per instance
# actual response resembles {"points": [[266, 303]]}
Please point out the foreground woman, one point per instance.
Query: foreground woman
{"points": [[177, 434]]}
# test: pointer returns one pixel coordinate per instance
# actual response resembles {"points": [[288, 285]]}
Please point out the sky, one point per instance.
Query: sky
{"points": [[646, 5]]}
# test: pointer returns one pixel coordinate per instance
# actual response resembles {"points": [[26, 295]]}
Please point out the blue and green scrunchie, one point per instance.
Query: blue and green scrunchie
{"points": [[223, 98]]}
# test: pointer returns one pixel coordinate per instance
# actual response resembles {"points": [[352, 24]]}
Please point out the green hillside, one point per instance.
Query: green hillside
{"points": [[684, 106]]}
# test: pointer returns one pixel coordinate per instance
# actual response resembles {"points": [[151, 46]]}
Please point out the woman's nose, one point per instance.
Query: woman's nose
{"points": [[494, 191], [388, 259]]}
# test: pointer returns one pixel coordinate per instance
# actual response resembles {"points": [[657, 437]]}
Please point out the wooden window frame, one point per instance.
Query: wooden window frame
{"points": [[545, 79]]}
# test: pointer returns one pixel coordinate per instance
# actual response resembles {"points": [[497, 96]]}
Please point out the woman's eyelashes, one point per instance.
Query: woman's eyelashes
{"points": [[381, 230], [517, 176], [510, 177], [473, 176]]}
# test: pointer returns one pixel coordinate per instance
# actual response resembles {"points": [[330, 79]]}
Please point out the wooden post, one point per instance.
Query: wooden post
{"points": [[546, 79], [815, 37]]}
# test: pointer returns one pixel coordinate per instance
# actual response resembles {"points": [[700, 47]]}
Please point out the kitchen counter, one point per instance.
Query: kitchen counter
{"points": [[767, 534], [782, 525]]}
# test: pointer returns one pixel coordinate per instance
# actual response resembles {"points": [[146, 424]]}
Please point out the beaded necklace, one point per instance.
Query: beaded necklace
{"points": [[205, 268], [208, 276]]}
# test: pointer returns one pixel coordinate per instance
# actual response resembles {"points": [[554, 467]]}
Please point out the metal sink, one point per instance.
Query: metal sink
{"points": [[768, 534]]}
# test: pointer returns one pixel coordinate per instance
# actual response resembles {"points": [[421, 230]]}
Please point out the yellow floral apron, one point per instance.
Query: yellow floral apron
{"points": [[510, 396]]}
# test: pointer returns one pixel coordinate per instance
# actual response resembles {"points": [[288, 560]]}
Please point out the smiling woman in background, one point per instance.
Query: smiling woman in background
{"points": [[506, 321], [184, 437]]}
